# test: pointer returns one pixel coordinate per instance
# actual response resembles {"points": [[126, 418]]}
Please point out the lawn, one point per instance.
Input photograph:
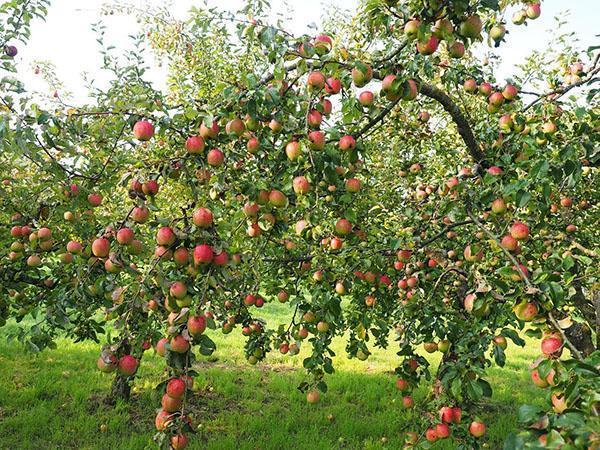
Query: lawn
{"points": [[53, 399]]}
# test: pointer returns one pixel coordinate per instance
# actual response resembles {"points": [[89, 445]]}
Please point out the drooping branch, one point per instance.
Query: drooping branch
{"points": [[574, 351], [557, 93], [464, 129]]}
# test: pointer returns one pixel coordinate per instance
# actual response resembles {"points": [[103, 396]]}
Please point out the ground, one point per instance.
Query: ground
{"points": [[54, 399]]}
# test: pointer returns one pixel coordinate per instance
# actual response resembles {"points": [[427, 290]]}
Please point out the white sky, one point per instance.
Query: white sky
{"points": [[66, 38]]}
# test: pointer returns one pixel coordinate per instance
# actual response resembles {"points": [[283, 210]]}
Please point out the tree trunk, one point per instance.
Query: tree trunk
{"points": [[120, 390]]}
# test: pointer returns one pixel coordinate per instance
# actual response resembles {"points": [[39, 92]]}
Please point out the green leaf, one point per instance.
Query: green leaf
{"points": [[523, 198], [529, 413]]}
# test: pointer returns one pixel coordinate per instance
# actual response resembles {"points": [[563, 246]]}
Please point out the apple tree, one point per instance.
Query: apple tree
{"points": [[376, 177]]}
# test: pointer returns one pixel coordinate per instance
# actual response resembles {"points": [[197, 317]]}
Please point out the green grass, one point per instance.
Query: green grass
{"points": [[54, 399]]}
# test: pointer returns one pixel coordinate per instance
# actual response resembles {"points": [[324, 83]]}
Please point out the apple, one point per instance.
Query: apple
{"points": [[275, 126], [411, 29], [353, 185], [170, 404], [107, 363], [430, 347], [150, 187], [494, 170], [408, 402], [253, 145], [470, 85], [301, 185], [347, 143], [498, 206], [496, 99], [366, 98], [443, 28], [444, 345], [203, 254], [140, 214], [74, 247], [215, 157], [315, 81], [194, 144], [143, 130], [537, 380], [179, 441], [510, 243], [128, 365], [457, 50], [101, 247], [442, 430], [176, 388], [477, 428], [559, 402], [525, 311], [34, 261], [94, 199], [314, 118], [235, 127], [333, 85], [552, 345], [10, 51], [533, 11], [510, 92], [343, 227], [293, 150], [165, 236], [471, 27], [313, 396], [277, 199], [163, 418], [209, 133], [431, 435], [179, 344], [362, 74], [221, 259], [125, 236], [322, 44], [505, 123], [497, 32], [500, 341], [44, 234], [402, 385], [178, 289], [519, 17], [202, 218], [317, 141], [181, 256], [429, 46], [519, 231]]}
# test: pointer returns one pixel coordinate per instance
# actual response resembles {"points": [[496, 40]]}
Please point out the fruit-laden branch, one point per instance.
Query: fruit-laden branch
{"points": [[562, 91], [464, 129], [576, 354]]}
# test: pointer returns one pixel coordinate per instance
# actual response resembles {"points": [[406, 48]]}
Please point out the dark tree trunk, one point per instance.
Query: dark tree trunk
{"points": [[120, 389], [121, 385]]}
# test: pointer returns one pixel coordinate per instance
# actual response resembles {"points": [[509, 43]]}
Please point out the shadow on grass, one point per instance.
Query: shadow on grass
{"points": [[55, 399]]}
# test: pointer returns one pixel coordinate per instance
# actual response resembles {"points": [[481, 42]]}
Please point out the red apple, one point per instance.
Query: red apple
{"points": [[143, 130]]}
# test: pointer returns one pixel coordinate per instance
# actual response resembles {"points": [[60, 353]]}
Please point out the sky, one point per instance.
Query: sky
{"points": [[66, 38]]}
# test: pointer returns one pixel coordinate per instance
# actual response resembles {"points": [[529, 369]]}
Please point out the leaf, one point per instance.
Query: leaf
{"points": [[529, 414], [523, 198]]}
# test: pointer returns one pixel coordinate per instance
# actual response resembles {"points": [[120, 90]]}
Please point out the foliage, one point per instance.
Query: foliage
{"points": [[445, 221]]}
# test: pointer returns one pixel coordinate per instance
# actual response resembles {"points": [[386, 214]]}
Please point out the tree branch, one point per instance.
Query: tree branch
{"points": [[464, 129]]}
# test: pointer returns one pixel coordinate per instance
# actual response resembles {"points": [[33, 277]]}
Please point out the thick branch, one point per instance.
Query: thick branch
{"points": [[464, 129]]}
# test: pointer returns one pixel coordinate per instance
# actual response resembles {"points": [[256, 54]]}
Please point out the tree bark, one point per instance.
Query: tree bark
{"points": [[120, 390]]}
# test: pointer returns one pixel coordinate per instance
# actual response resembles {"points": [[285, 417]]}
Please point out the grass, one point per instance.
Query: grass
{"points": [[54, 399]]}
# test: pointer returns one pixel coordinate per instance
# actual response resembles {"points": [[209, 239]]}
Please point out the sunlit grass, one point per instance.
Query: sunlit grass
{"points": [[54, 400]]}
